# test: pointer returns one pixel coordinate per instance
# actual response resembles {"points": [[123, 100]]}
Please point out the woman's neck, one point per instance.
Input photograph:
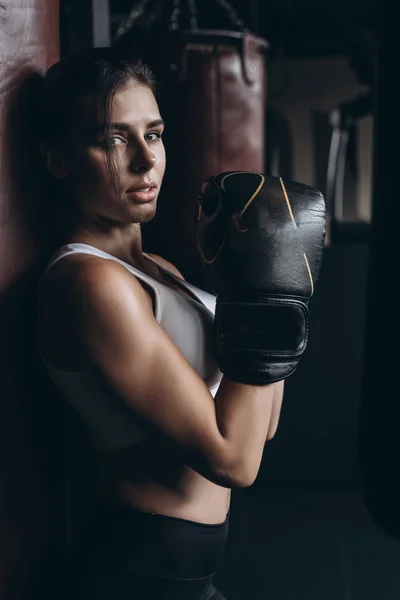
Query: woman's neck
{"points": [[124, 244]]}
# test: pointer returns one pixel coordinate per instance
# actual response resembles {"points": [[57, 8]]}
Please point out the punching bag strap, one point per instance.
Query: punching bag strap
{"points": [[249, 46], [246, 42]]}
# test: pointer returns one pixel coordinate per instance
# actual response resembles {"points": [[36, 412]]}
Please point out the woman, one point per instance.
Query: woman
{"points": [[128, 343]]}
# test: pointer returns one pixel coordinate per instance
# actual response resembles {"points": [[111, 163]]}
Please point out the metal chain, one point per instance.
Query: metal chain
{"points": [[231, 12], [138, 11], [157, 13], [134, 15], [175, 14], [193, 14]]}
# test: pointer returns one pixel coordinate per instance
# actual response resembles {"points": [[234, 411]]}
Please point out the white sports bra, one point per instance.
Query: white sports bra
{"points": [[188, 320]]}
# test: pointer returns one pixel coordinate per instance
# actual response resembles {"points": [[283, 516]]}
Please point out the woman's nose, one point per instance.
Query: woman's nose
{"points": [[143, 160]]}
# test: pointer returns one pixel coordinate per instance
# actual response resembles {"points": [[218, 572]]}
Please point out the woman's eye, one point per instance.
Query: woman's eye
{"points": [[115, 141], [153, 136], [110, 142]]}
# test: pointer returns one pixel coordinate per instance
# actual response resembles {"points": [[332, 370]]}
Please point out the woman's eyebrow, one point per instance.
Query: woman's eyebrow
{"points": [[126, 127]]}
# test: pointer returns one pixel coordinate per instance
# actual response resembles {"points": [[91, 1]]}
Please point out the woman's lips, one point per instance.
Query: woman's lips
{"points": [[144, 195]]}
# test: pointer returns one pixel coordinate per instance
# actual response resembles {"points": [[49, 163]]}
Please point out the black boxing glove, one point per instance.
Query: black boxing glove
{"points": [[262, 241]]}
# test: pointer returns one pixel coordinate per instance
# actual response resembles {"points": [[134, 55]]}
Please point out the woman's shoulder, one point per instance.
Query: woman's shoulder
{"points": [[78, 293], [92, 278], [72, 271]]}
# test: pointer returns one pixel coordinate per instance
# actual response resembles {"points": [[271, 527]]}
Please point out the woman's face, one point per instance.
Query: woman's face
{"points": [[137, 152]]}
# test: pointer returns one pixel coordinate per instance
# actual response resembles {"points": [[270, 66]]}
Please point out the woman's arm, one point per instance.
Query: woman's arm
{"points": [[276, 409], [279, 387], [221, 438]]}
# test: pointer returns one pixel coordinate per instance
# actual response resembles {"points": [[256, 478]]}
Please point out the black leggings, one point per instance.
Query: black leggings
{"points": [[126, 555]]}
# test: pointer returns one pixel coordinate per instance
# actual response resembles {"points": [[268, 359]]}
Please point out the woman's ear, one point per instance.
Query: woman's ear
{"points": [[53, 160]]}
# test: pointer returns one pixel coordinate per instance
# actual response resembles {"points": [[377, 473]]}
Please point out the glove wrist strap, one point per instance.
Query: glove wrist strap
{"points": [[266, 326]]}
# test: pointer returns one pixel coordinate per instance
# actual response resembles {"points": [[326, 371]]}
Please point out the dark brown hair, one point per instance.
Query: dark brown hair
{"points": [[97, 74]]}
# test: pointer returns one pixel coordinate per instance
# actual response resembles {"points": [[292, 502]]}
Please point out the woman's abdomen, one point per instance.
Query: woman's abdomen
{"points": [[161, 485]]}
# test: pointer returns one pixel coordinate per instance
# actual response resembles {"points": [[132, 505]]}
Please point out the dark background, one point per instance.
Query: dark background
{"points": [[295, 28], [303, 530]]}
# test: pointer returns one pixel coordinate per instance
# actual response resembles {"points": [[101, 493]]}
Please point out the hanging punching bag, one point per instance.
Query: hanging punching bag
{"points": [[212, 96], [29, 39]]}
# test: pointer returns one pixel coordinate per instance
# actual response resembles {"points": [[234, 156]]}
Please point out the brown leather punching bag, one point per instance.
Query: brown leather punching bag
{"points": [[212, 96], [29, 41]]}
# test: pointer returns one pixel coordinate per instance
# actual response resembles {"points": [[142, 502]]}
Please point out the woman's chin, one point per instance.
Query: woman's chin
{"points": [[145, 212]]}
